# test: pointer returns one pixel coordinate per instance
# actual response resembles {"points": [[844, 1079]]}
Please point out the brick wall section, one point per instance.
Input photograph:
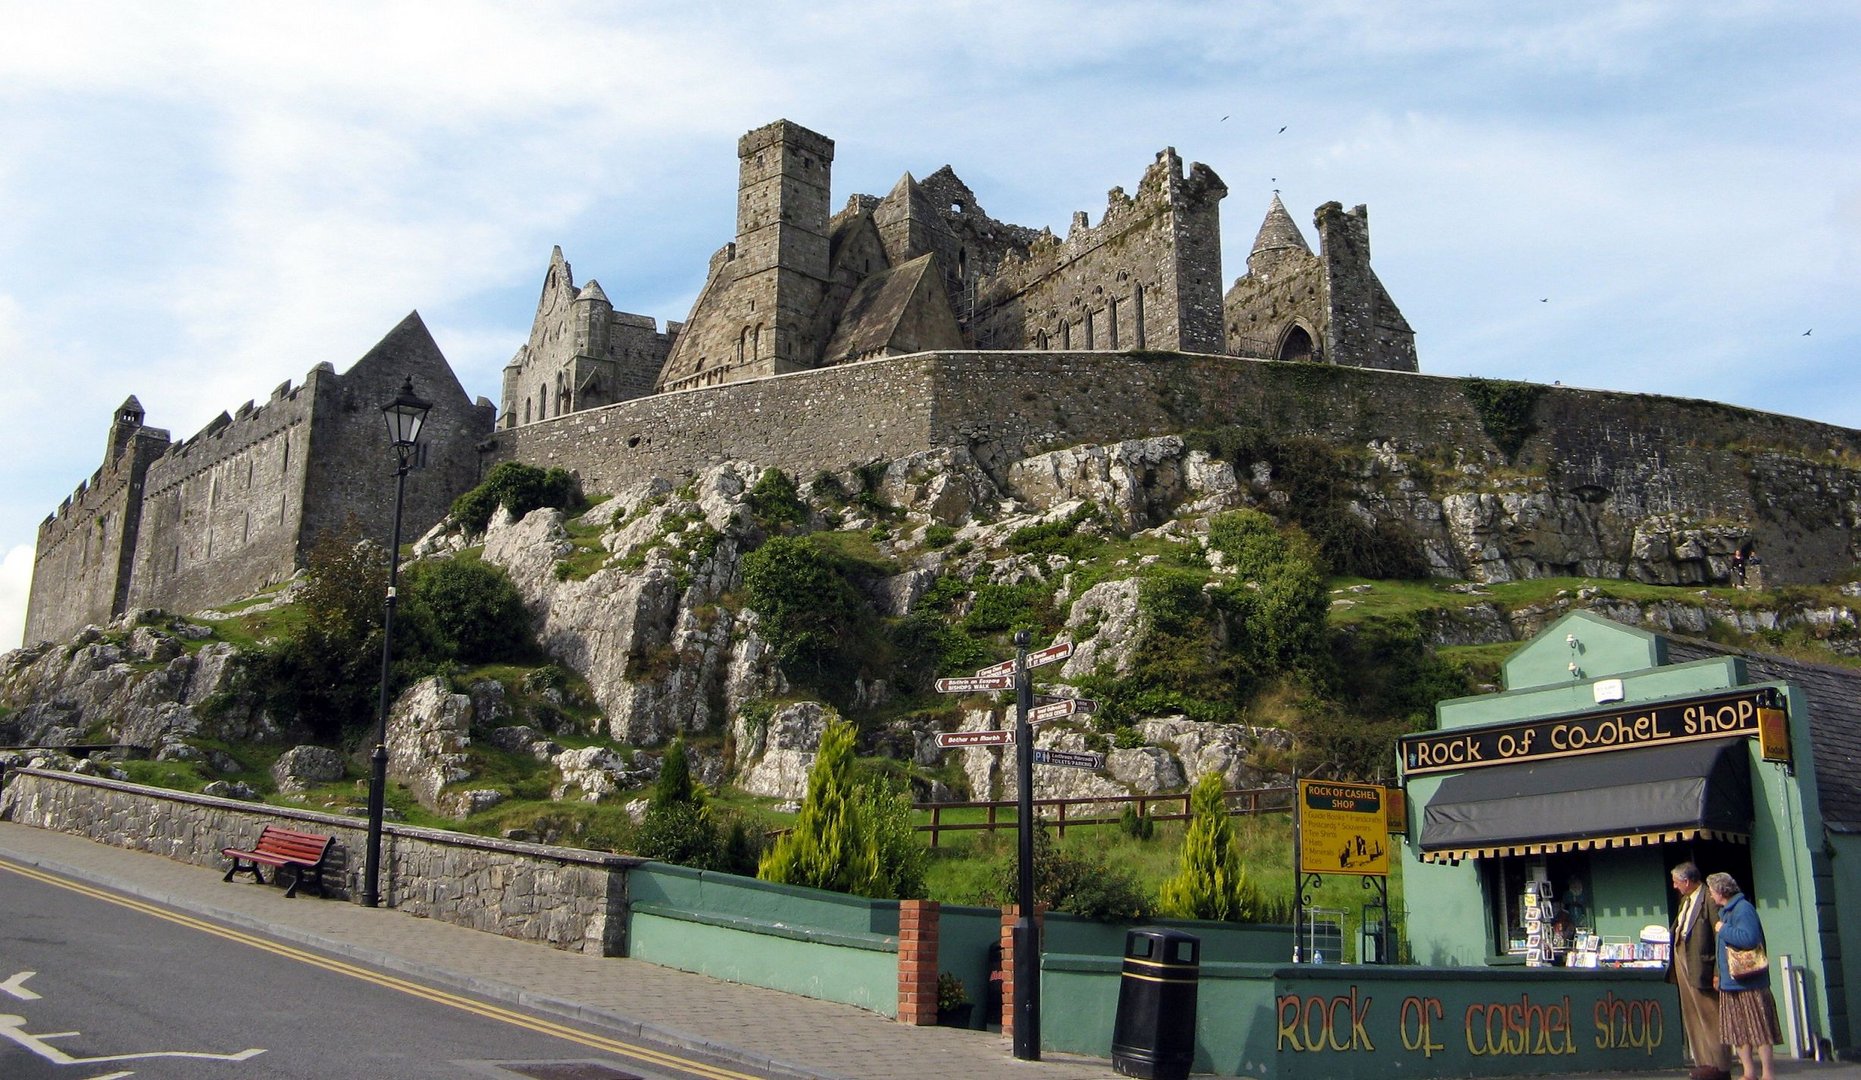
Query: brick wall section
{"points": [[1011, 914], [917, 961], [564, 897]]}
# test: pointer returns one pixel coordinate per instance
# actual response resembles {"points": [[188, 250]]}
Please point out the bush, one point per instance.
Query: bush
{"points": [[518, 488], [1079, 884], [849, 837], [466, 610], [775, 500], [809, 610], [1135, 825]]}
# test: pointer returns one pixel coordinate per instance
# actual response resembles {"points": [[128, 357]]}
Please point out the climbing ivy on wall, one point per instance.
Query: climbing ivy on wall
{"points": [[1505, 410]]}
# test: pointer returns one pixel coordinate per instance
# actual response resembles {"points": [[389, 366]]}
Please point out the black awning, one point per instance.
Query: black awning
{"points": [[1622, 798]]}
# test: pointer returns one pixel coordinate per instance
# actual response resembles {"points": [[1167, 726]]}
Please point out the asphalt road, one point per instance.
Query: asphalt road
{"points": [[95, 986]]}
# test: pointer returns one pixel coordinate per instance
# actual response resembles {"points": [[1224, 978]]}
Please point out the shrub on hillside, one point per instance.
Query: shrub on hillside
{"points": [[518, 488], [808, 608], [465, 610], [1073, 882]]}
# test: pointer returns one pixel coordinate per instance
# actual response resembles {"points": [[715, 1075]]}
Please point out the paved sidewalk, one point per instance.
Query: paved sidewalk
{"points": [[760, 1031]]}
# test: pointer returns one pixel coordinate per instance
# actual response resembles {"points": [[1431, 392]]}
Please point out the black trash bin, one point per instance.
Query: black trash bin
{"points": [[1154, 1036]]}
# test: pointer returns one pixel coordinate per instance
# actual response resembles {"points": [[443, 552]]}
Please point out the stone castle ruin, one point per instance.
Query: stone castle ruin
{"points": [[237, 507], [925, 269], [914, 327]]}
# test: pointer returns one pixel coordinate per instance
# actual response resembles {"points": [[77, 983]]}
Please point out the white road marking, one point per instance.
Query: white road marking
{"points": [[14, 1028], [16, 986]]}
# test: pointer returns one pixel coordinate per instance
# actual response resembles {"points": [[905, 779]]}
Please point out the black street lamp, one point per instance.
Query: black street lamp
{"points": [[405, 415]]}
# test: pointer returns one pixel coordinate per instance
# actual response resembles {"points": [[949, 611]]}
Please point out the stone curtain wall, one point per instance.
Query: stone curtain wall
{"points": [[803, 422], [566, 898], [1599, 453], [221, 509], [86, 552]]}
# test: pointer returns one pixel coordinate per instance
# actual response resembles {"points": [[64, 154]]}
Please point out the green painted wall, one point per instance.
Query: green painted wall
{"points": [[866, 977], [820, 944], [1341, 1022], [964, 935]]}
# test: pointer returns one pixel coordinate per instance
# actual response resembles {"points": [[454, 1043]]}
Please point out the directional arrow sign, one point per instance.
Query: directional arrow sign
{"points": [[1052, 711], [975, 738], [1050, 654], [975, 685], [1072, 759], [1006, 667]]}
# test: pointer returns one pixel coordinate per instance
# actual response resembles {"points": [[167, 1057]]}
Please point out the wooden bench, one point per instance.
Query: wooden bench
{"points": [[283, 849]]}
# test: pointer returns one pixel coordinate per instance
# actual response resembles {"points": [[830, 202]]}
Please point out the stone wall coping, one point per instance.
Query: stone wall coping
{"points": [[602, 859], [795, 931]]}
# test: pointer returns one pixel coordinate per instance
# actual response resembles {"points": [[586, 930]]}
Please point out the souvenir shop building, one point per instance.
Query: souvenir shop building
{"points": [[1614, 754]]}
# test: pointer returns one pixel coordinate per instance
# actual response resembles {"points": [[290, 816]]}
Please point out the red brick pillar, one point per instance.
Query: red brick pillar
{"points": [[1011, 914], [917, 961]]}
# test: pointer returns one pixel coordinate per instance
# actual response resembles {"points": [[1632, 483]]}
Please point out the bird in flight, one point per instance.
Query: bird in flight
{"points": [[1224, 119], [1281, 131], [1544, 300], [1806, 333]]}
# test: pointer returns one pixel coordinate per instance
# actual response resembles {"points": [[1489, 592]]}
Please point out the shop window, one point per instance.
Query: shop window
{"points": [[1506, 881]]}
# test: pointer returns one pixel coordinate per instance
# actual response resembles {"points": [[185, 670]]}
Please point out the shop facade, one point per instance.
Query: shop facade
{"points": [[1543, 819]]}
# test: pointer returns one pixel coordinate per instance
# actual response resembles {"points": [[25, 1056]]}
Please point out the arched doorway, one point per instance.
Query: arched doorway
{"points": [[1296, 345]]}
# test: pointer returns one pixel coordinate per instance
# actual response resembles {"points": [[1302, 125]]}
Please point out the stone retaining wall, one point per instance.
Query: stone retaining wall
{"points": [[567, 898]]}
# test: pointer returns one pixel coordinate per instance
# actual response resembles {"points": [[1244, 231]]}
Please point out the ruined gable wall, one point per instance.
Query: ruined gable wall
{"points": [[1363, 333], [350, 466], [86, 551], [1261, 307], [1153, 263], [221, 509]]}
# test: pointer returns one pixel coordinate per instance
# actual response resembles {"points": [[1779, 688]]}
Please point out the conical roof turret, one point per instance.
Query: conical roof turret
{"points": [[1278, 234]]}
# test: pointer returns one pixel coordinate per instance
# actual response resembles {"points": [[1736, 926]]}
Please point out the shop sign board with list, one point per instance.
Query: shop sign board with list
{"points": [[1342, 829]]}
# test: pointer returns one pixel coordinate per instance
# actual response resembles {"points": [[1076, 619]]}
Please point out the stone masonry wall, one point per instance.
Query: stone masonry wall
{"points": [[1083, 292], [564, 897], [86, 552], [1623, 455], [803, 422], [223, 507]]}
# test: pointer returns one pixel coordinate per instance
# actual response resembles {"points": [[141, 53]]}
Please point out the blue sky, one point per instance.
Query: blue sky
{"points": [[199, 201]]}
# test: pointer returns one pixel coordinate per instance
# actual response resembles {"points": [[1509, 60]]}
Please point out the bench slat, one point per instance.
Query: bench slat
{"points": [[280, 847]]}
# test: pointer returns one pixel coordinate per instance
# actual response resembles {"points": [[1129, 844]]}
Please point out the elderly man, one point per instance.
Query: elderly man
{"points": [[1692, 971]]}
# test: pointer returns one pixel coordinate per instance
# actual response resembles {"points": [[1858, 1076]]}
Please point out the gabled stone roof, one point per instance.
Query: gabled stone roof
{"points": [[1834, 695]]}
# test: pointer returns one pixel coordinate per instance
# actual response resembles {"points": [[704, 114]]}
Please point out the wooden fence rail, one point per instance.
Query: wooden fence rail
{"points": [[1240, 801]]}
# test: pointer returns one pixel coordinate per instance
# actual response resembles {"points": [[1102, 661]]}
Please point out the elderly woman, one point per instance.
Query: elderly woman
{"points": [[1747, 1013]]}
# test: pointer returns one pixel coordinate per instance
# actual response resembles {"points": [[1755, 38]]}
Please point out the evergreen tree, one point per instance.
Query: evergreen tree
{"points": [[832, 845], [1211, 883], [674, 783]]}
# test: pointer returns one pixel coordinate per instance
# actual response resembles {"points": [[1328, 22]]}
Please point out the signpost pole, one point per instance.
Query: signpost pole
{"points": [[1026, 932], [1298, 903]]}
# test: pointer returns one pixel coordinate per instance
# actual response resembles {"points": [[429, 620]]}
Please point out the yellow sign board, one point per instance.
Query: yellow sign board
{"points": [[1342, 829]]}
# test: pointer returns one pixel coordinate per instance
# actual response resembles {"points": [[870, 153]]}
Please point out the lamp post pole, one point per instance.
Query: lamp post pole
{"points": [[404, 415]]}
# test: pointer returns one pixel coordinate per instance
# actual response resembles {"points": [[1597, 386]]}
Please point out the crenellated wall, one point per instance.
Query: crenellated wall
{"points": [[1148, 276], [237, 506], [83, 562]]}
